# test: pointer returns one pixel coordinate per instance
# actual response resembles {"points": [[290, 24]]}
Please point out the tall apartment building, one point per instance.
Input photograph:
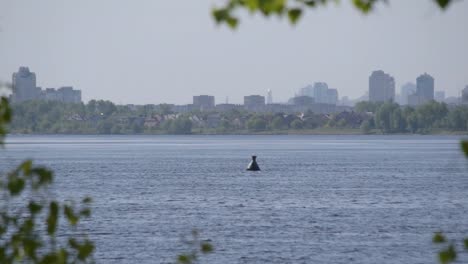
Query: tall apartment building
{"points": [[425, 88], [204, 102], [464, 95], [381, 87], [321, 93], [307, 91], [24, 86], [332, 96], [254, 102]]}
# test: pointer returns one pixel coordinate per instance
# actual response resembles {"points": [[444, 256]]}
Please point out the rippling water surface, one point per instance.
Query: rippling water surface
{"points": [[318, 199]]}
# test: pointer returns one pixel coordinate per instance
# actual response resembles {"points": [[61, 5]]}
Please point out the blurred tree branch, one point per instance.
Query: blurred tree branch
{"points": [[293, 9]]}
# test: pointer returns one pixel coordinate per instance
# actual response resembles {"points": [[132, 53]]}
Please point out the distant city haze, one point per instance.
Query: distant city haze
{"points": [[151, 52]]}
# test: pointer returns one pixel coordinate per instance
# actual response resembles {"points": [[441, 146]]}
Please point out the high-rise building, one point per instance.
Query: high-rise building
{"points": [[24, 85], [307, 91], [425, 88], [269, 97], [321, 92], [439, 96], [381, 87], [407, 89], [332, 96], [204, 102], [464, 95], [254, 102]]}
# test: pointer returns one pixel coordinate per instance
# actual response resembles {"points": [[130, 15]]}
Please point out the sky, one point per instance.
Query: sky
{"points": [[159, 51]]}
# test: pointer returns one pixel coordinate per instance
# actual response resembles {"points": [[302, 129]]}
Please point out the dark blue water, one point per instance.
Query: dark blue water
{"points": [[318, 199]]}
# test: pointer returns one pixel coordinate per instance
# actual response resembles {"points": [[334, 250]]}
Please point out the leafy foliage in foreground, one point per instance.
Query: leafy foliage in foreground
{"points": [[293, 9], [30, 219], [197, 247], [5, 117]]}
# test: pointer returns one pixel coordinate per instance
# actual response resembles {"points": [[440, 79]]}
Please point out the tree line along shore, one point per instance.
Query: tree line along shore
{"points": [[105, 117]]}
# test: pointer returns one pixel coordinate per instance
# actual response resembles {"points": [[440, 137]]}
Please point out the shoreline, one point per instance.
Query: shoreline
{"points": [[309, 132]]}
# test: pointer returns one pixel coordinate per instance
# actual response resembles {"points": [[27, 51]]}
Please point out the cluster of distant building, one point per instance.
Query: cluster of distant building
{"points": [[382, 89], [260, 103], [320, 93], [25, 89], [318, 97]]}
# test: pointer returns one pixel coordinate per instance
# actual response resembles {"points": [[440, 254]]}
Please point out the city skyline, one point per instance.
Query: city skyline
{"points": [[193, 56], [398, 95], [381, 88]]}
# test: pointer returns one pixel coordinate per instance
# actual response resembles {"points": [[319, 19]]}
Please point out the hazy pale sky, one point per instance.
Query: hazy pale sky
{"points": [[156, 51]]}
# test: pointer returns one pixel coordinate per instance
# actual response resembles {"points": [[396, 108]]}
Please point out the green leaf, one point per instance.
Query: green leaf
{"points": [[464, 147], [73, 244], [443, 3], [184, 259], [5, 117], [2, 254], [59, 257], [26, 167], [438, 238], [45, 176], [364, 5], [232, 22], [252, 5], [49, 258], [465, 242], [28, 226], [52, 219], [62, 256], [310, 3], [278, 6], [448, 255], [15, 185], [206, 248], [70, 215], [85, 250], [34, 208], [294, 15], [5, 111], [220, 15], [30, 247]]}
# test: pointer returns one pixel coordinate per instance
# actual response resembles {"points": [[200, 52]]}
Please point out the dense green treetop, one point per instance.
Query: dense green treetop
{"points": [[104, 117]]}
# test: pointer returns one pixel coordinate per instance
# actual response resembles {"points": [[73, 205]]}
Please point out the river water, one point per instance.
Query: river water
{"points": [[318, 199]]}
